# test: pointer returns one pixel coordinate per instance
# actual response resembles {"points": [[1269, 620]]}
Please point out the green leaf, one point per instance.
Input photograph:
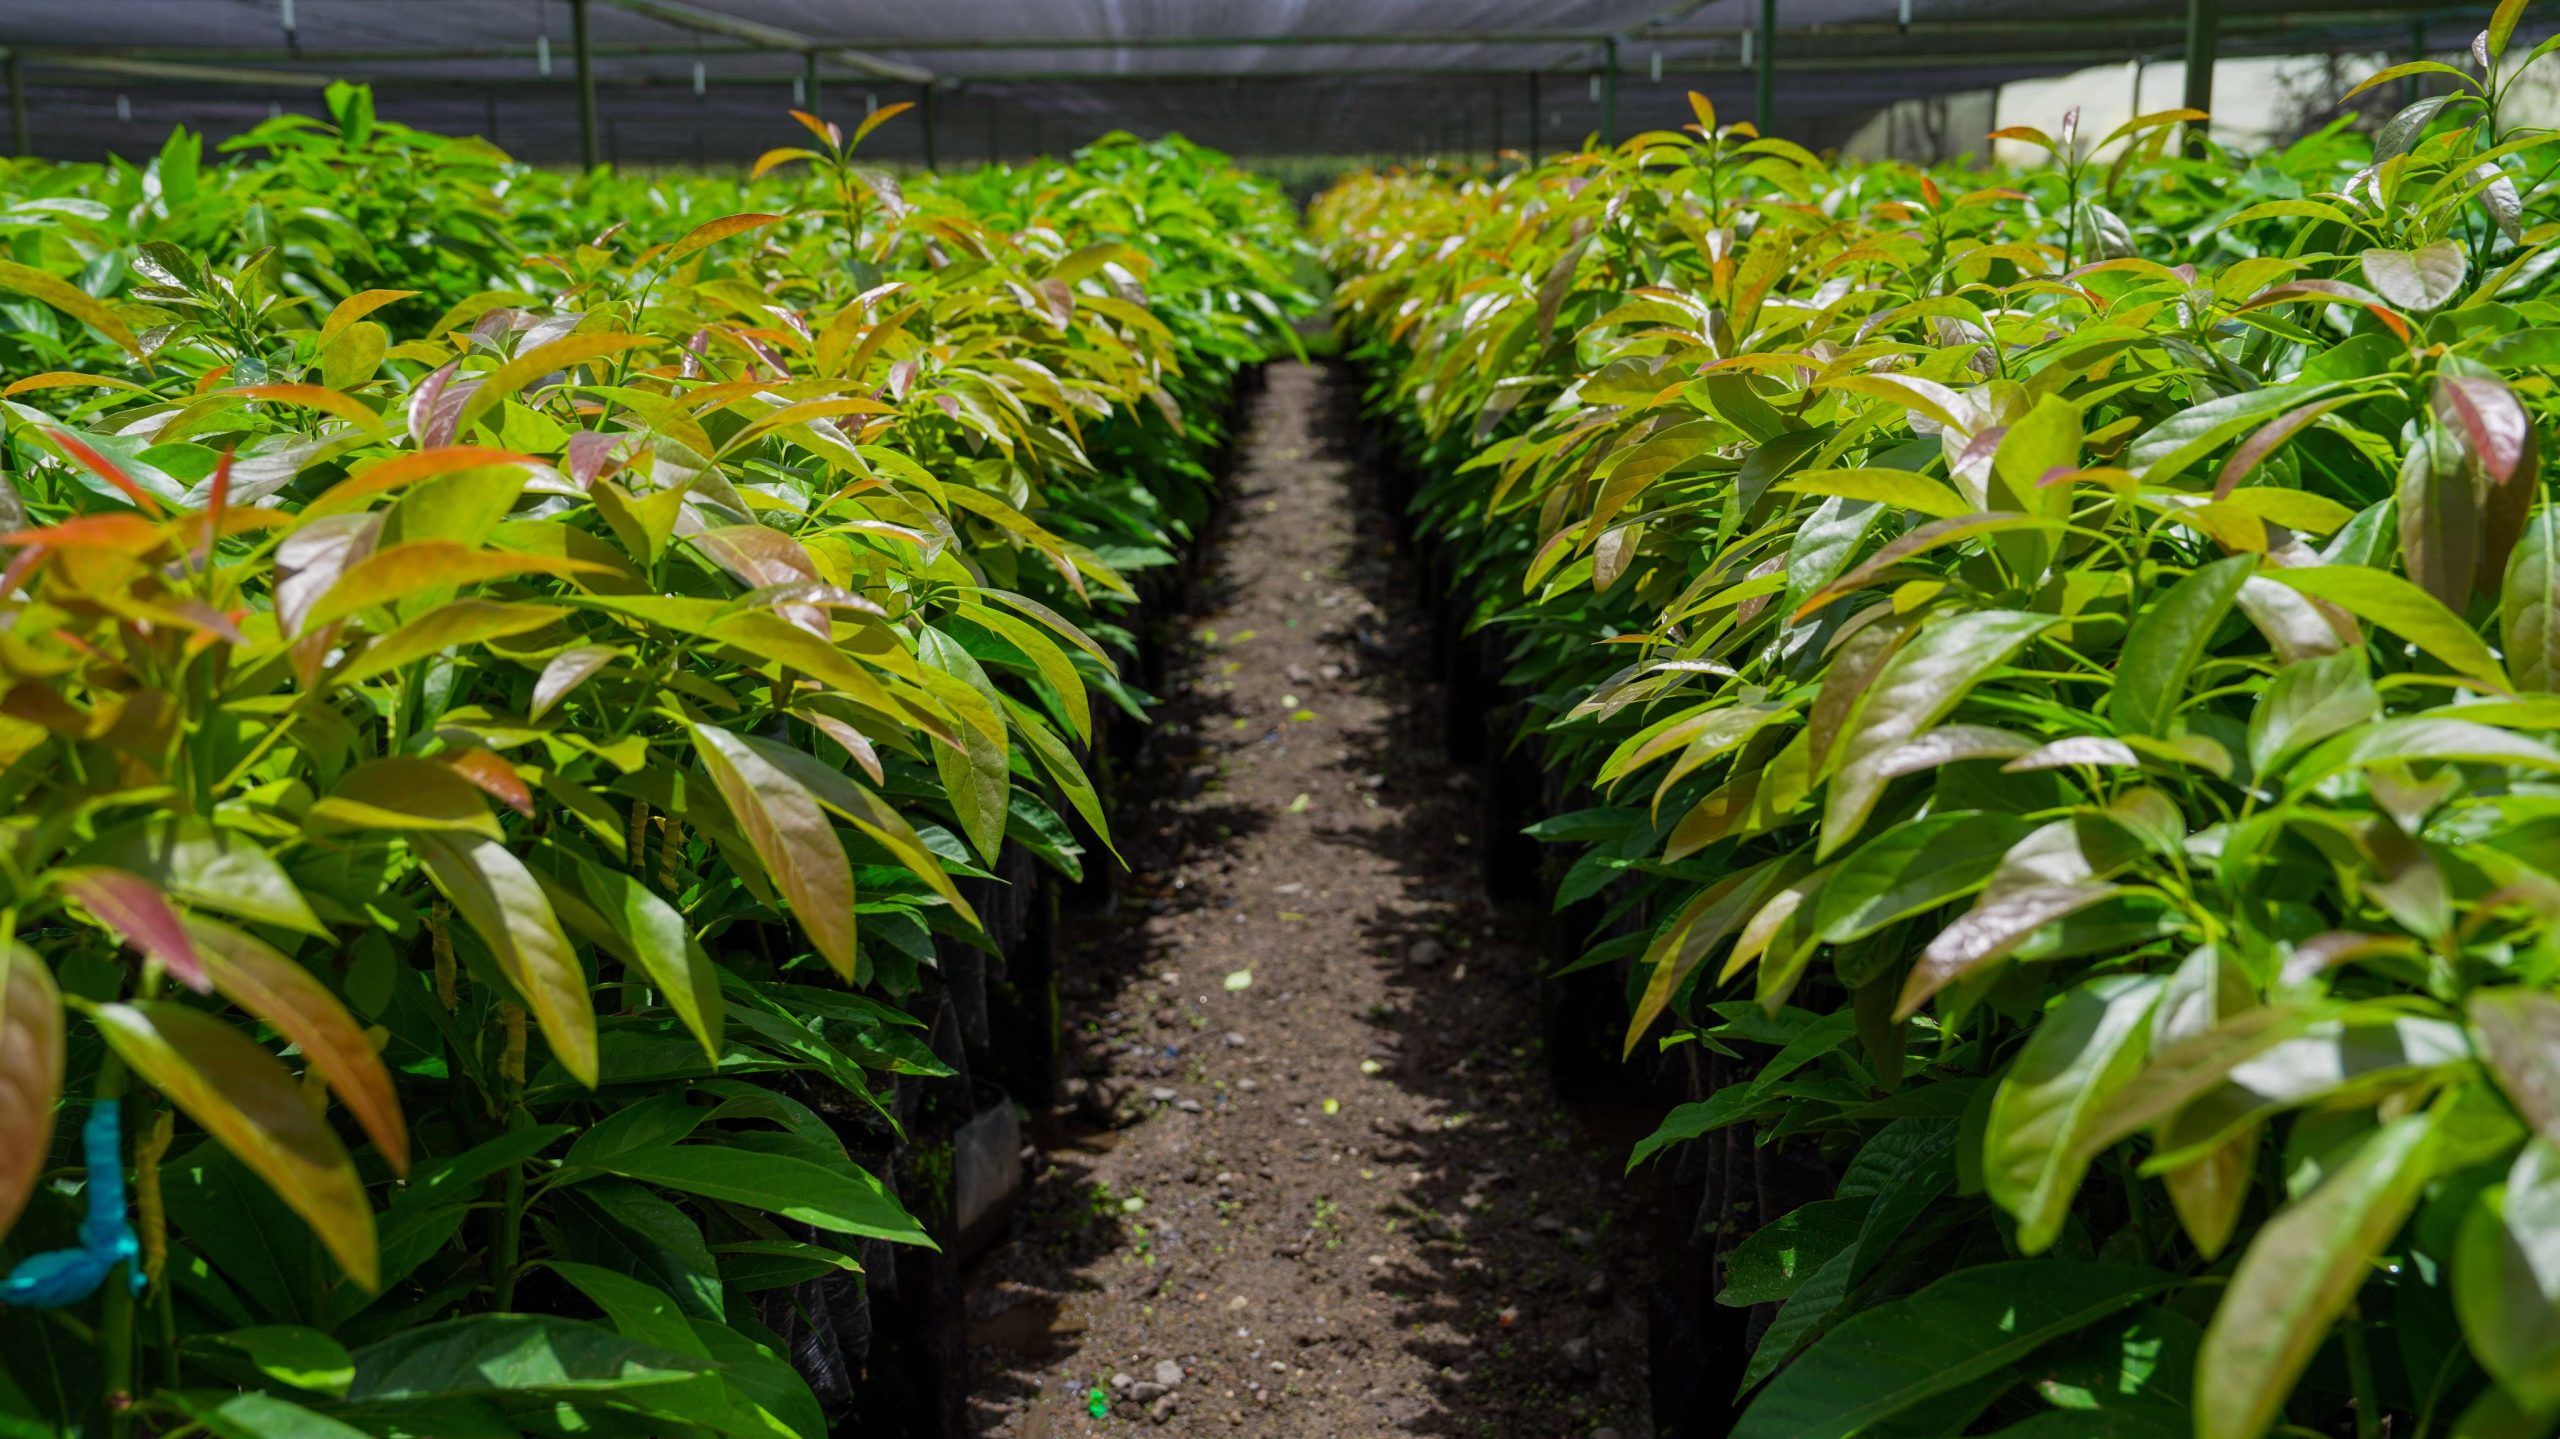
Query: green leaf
{"points": [[2405, 610], [505, 905], [641, 929], [2506, 1277], [459, 622], [264, 1416], [402, 793], [2529, 604], [1769, 1266], [1899, 488], [2035, 1149], [1914, 867], [2167, 640], [642, 1312], [1973, 1323], [1916, 688], [293, 1354], [2423, 279], [246, 1100], [489, 1354], [843, 1198], [2125, 1423], [2307, 702], [209, 868], [71, 300], [2300, 1273]]}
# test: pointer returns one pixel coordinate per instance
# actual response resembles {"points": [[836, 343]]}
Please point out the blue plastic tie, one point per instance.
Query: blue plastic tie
{"points": [[63, 1277]]}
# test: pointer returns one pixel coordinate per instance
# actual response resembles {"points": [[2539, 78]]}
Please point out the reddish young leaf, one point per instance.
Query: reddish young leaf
{"points": [[30, 1074], [139, 914]]}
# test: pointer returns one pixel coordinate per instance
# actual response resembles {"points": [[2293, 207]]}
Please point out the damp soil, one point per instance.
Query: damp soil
{"points": [[1311, 1179]]}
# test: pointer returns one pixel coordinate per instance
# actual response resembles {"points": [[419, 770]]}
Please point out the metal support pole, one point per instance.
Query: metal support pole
{"points": [[1764, 95], [809, 83], [1609, 91], [924, 112], [2204, 34], [586, 83], [18, 142]]}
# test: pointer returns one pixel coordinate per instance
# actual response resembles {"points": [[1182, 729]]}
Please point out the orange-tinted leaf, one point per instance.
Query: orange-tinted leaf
{"points": [[879, 117], [792, 836], [105, 469], [772, 159], [256, 1109], [255, 976], [404, 792], [355, 307], [317, 397], [394, 574], [30, 1074], [71, 300], [139, 914], [827, 134], [408, 469], [68, 380], [712, 232], [121, 533], [494, 777]]}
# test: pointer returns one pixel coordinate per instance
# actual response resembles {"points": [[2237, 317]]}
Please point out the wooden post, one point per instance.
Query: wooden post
{"points": [[18, 143], [586, 83], [1764, 94], [1609, 91], [2204, 35]]}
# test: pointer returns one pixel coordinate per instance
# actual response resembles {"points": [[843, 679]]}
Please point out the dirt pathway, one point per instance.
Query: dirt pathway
{"points": [[1317, 1186]]}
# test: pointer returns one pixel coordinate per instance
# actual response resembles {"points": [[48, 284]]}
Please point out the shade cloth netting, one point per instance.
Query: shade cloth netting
{"points": [[1012, 77]]}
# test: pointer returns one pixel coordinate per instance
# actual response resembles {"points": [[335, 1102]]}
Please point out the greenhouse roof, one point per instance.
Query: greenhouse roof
{"points": [[707, 80]]}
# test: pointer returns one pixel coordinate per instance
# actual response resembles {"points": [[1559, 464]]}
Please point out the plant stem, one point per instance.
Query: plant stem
{"points": [[2360, 1379], [503, 1254]]}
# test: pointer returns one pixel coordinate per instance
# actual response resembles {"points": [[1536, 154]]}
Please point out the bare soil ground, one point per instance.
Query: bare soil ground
{"points": [[1316, 1184]]}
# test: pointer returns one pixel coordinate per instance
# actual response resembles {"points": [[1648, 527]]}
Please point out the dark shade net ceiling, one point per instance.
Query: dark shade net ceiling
{"points": [[1011, 77]]}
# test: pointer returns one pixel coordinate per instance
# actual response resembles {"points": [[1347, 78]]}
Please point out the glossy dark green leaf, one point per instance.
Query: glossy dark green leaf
{"points": [[1924, 680], [2088, 1043], [1914, 867], [840, 1197], [529, 1354], [2167, 640], [1881, 1362], [2506, 1278]]}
